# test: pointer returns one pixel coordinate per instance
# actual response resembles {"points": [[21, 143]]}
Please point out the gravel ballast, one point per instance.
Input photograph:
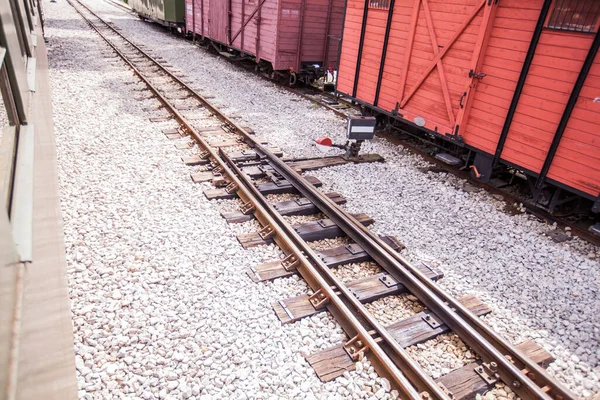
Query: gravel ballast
{"points": [[161, 303]]}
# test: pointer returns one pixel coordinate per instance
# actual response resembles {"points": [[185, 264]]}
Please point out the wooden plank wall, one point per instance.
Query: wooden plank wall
{"points": [[558, 59], [503, 60], [314, 33], [396, 53], [218, 23], [289, 30], [371, 56], [196, 25], [268, 27], [428, 101], [554, 70], [218, 20], [350, 43], [335, 31], [447, 16], [577, 160]]}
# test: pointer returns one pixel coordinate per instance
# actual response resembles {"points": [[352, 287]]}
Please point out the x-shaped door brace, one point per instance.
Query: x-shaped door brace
{"points": [[438, 55]]}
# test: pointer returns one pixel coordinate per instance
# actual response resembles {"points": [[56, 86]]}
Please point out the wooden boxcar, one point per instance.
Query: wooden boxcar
{"points": [[289, 35], [508, 83], [169, 13]]}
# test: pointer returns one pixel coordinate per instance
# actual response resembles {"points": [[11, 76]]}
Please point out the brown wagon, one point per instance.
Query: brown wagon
{"points": [[296, 37]]}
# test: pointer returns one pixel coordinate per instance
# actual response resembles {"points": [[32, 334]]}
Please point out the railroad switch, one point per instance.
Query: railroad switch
{"points": [[359, 130]]}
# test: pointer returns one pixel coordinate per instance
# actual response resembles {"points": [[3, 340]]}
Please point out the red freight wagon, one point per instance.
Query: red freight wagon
{"points": [[507, 83], [297, 36]]}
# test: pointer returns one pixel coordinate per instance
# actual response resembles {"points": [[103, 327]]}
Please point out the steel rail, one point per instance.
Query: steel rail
{"points": [[247, 193], [529, 368], [317, 271], [469, 328]]}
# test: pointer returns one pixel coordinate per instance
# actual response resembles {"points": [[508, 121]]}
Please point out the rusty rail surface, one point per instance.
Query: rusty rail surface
{"points": [[504, 361]]}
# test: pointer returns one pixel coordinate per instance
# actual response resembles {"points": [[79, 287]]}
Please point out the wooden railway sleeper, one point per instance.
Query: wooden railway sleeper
{"points": [[445, 390]]}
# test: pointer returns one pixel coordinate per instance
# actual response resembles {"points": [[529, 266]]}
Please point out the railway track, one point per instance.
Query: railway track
{"points": [[241, 165]]}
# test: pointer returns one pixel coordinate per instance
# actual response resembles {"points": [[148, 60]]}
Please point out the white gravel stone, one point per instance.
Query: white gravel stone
{"points": [[134, 223]]}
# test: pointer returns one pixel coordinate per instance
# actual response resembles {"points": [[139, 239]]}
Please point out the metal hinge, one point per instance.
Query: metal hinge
{"points": [[473, 74]]}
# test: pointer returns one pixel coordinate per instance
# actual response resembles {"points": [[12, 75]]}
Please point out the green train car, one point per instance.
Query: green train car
{"points": [[169, 13]]}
